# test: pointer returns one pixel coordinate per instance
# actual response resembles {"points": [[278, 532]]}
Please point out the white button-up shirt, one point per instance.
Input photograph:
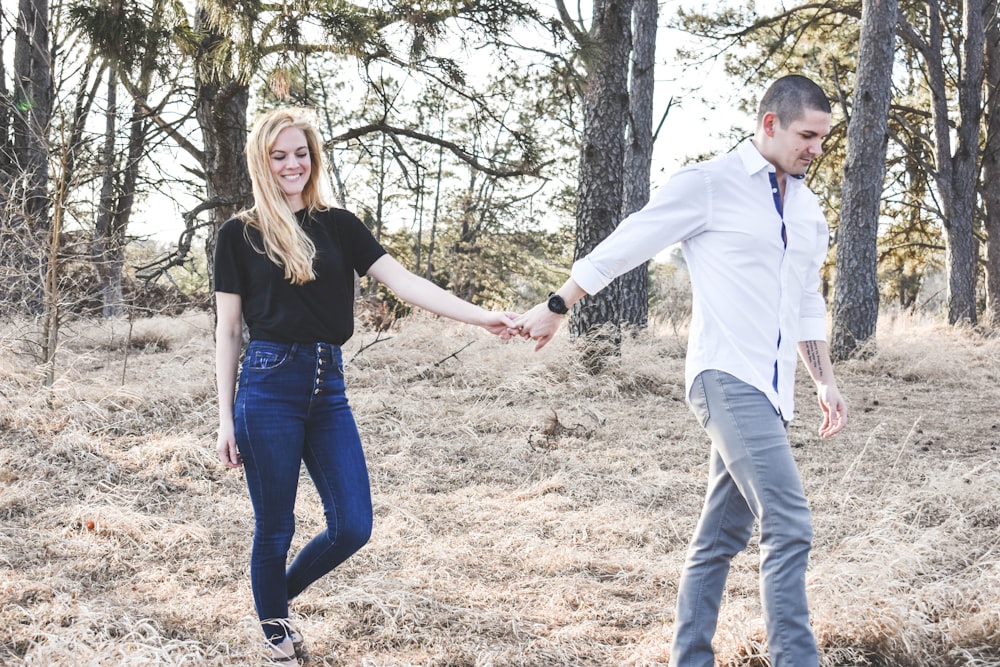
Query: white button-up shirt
{"points": [[754, 295]]}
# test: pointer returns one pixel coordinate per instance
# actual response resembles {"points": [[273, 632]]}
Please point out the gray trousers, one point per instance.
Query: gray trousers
{"points": [[752, 478]]}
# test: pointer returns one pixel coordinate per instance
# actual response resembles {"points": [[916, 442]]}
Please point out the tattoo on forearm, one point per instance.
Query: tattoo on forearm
{"points": [[813, 358]]}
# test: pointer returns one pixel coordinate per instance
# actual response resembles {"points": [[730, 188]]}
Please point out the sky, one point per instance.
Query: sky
{"points": [[691, 127]]}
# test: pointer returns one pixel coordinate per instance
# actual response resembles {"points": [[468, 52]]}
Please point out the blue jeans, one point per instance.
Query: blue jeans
{"points": [[752, 477], [291, 407]]}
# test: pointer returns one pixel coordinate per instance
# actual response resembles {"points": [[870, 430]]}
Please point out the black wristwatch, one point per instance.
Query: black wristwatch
{"points": [[557, 305]]}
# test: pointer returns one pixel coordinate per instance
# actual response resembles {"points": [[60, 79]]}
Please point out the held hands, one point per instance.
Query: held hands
{"points": [[500, 324], [539, 324]]}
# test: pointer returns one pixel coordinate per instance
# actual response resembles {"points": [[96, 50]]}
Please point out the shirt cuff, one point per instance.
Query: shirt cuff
{"points": [[586, 275], [812, 328]]}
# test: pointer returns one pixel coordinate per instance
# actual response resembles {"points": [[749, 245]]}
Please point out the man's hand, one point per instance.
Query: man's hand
{"points": [[834, 410], [539, 324]]}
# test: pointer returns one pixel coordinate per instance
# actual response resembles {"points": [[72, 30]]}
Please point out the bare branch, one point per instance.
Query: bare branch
{"points": [[461, 153], [575, 31], [453, 355], [170, 129], [151, 271], [365, 346]]}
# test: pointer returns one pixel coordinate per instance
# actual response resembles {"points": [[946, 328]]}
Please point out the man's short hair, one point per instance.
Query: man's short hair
{"points": [[790, 96]]}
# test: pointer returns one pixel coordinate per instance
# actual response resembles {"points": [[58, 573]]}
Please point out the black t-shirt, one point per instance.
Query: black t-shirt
{"points": [[321, 310]]}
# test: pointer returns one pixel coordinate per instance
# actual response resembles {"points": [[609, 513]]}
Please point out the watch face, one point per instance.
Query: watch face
{"points": [[557, 305]]}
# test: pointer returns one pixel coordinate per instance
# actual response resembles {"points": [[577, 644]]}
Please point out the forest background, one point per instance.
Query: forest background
{"points": [[487, 143]]}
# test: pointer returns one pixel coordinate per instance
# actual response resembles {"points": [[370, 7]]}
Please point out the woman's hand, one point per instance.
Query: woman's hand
{"points": [[500, 324], [226, 448]]}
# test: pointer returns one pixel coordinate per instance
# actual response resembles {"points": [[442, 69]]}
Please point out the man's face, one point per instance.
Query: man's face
{"points": [[792, 149]]}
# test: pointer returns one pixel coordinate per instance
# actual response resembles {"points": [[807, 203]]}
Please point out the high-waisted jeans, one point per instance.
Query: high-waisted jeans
{"points": [[752, 477], [291, 407]]}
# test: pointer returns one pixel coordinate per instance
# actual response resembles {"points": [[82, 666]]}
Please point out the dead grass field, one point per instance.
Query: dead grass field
{"points": [[526, 513]]}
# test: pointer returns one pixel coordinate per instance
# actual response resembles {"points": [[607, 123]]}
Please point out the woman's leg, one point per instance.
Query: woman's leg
{"points": [[270, 431], [336, 462]]}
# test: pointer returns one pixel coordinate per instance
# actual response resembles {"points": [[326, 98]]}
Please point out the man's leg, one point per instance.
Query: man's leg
{"points": [[750, 455], [723, 530]]}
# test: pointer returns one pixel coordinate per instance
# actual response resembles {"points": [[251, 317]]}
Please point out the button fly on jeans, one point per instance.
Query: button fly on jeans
{"points": [[324, 357]]}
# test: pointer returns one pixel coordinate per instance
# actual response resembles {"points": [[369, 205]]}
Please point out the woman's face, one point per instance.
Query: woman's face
{"points": [[291, 164]]}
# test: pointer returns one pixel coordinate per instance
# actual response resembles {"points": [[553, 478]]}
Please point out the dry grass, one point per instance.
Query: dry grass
{"points": [[526, 513]]}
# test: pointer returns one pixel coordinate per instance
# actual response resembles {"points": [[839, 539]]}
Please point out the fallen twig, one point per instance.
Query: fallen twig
{"points": [[454, 355], [378, 339]]}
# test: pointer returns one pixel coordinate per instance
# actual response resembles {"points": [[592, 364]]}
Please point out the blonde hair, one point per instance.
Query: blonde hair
{"points": [[285, 242]]}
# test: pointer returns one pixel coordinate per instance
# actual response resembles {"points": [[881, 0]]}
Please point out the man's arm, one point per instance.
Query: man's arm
{"points": [[678, 210], [540, 323], [816, 356]]}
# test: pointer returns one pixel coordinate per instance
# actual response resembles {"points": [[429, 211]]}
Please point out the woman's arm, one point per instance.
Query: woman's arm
{"points": [[417, 291], [228, 337]]}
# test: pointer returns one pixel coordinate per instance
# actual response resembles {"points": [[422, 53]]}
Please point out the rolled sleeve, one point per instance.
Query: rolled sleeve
{"points": [[589, 277], [678, 210], [812, 312], [812, 328]]}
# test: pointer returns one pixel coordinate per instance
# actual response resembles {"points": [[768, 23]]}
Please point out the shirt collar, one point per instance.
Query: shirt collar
{"points": [[754, 162]]}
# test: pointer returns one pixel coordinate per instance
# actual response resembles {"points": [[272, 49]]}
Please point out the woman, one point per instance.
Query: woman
{"points": [[286, 267]]}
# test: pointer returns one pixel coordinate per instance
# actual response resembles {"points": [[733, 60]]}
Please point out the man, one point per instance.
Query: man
{"points": [[754, 239]]}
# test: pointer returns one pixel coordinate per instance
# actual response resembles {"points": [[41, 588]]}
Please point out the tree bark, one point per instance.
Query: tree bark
{"points": [[963, 253], [107, 244], [633, 287], [122, 176], [6, 149], [222, 103], [956, 172], [23, 247], [856, 293], [991, 168], [602, 157]]}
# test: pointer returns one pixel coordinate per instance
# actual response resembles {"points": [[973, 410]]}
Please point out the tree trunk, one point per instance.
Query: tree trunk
{"points": [[634, 285], [991, 169], [856, 295], [23, 247], [6, 150], [602, 157], [106, 245], [111, 236], [222, 103], [956, 173], [116, 233], [437, 205], [963, 253], [222, 115]]}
